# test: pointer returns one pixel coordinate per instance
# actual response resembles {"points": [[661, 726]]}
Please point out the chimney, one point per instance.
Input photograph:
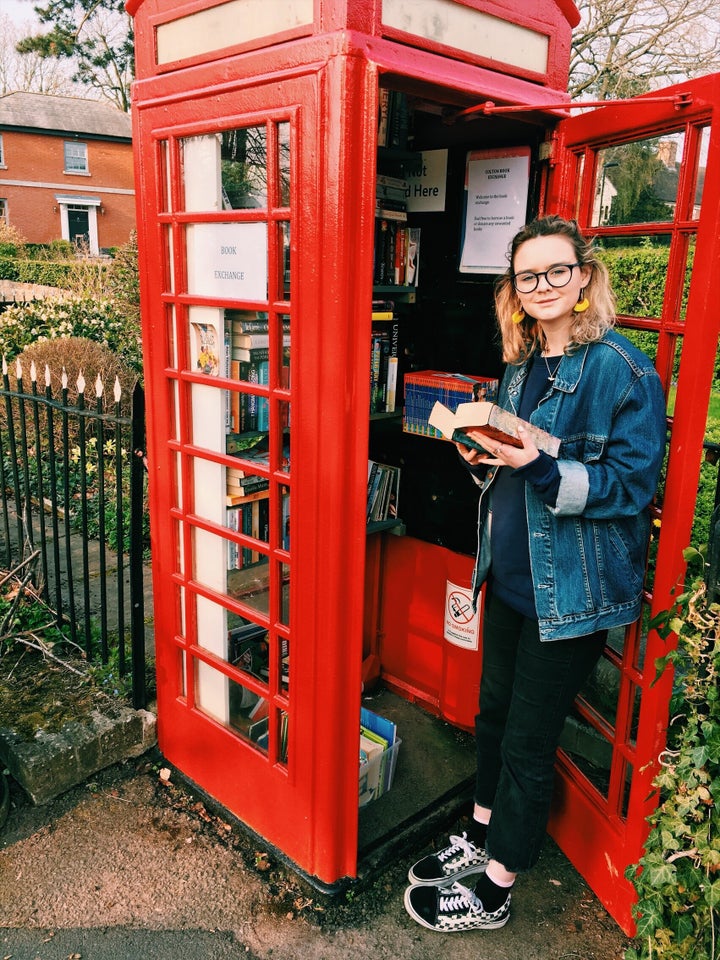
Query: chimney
{"points": [[667, 152]]}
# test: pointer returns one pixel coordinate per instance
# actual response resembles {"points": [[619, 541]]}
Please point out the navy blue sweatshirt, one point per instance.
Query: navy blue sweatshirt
{"points": [[510, 576]]}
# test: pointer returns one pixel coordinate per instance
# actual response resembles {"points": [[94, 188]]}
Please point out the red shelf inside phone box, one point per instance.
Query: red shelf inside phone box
{"points": [[423, 388]]}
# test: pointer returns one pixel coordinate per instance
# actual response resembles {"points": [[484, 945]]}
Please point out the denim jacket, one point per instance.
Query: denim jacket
{"points": [[588, 552]]}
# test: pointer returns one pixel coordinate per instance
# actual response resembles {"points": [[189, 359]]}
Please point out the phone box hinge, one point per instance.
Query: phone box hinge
{"points": [[546, 150]]}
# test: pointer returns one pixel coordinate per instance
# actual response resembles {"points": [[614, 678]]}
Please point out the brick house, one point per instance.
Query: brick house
{"points": [[66, 170]]}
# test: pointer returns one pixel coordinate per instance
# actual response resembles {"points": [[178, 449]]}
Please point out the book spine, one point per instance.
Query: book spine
{"points": [[413, 253], [383, 110], [375, 355], [400, 254], [398, 120], [285, 520], [386, 180], [393, 360], [263, 404], [381, 230], [390, 251], [253, 356], [387, 212], [384, 342], [227, 352]]}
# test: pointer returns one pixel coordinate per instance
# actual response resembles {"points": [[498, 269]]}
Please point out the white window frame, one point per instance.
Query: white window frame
{"points": [[74, 152], [2, 152], [4, 210]]}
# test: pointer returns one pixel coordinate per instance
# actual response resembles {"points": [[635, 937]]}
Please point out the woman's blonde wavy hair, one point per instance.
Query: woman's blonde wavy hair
{"points": [[519, 340]]}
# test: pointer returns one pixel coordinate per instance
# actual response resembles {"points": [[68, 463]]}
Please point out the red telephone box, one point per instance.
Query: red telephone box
{"points": [[256, 132]]}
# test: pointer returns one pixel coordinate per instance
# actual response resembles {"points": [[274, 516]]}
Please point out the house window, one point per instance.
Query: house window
{"points": [[76, 160], [2, 152], [3, 211]]}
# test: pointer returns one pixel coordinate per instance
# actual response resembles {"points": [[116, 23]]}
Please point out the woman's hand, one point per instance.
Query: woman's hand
{"points": [[501, 454], [476, 458]]}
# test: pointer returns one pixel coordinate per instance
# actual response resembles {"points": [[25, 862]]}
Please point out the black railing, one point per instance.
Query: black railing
{"points": [[72, 479]]}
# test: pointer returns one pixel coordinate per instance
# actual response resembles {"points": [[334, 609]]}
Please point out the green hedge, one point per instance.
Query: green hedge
{"points": [[47, 273], [638, 278]]}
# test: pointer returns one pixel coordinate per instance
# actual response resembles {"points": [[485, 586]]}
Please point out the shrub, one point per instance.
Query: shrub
{"points": [[76, 355], [10, 239], [61, 249], [123, 284], [678, 877], [26, 323], [8, 266], [638, 278]]}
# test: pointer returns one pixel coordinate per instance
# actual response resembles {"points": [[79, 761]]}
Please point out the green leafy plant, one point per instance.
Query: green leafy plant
{"points": [[26, 323], [678, 877]]}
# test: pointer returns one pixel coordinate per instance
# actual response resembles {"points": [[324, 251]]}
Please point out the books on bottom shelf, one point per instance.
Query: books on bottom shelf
{"points": [[259, 734], [383, 491], [379, 745]]}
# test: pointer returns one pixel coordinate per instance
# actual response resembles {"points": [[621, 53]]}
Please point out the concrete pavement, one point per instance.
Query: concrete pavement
{"points": [[126, 867]]}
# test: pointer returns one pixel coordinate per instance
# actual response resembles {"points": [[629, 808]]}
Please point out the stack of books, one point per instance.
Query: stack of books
{"points": [[383, 491], [247, 358], [379, 745], [424, 388]]}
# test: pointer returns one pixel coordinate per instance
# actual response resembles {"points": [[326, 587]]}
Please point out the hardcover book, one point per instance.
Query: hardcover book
{"points": [[492, 420]]}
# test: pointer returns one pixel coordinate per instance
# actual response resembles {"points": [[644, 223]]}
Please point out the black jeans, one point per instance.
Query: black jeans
{"points": [[527, 689]]}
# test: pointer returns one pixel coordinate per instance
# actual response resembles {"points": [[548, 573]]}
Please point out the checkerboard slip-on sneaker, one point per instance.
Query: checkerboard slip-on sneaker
{"points": [[452, 909], [460, 859]]}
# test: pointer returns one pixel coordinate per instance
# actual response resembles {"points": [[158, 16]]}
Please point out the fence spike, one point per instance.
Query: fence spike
{"points": [[18, 368], [33, 371], [64, 379], [5, 366], [98, 387], [117, 389], [48, 378], [81, 382]]}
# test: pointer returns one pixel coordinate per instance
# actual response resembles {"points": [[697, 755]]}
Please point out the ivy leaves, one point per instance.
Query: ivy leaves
{"points": [[678, 877]]}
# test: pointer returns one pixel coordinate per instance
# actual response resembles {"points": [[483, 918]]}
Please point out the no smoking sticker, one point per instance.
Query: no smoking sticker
{"points": [[461, 621]]}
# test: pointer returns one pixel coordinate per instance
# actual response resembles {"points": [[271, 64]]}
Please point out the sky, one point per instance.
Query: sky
{"points": [[19, 11]]}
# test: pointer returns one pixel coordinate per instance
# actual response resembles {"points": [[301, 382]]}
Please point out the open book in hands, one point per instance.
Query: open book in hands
{"points": [[493, 421]]}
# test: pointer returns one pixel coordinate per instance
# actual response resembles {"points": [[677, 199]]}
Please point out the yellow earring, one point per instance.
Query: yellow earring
{"points": [[582, 305], [518, 316]]}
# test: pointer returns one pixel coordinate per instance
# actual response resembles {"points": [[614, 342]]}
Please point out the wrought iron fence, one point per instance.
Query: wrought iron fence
{"points": [[72, 478]]}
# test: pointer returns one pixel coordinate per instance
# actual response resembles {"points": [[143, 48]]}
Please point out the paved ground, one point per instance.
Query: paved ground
{"points": [[126, 868]]}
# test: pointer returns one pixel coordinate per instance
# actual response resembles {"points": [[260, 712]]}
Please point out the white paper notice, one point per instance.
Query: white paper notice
{"points": [[228, 260], [427, 182], [462, 623], [496, 183]]}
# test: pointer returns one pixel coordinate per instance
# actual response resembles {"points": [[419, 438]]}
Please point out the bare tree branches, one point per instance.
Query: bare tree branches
{"points": [[621, 49], [30, 73], [96, 37]]}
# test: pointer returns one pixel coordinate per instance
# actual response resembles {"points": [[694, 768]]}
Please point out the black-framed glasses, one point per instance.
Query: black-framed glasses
{"points": [[558, 275]]}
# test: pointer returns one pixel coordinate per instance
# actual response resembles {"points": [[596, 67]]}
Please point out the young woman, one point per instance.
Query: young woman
{"points": [[562, 551]]}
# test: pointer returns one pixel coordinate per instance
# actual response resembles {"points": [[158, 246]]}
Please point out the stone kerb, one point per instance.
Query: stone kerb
{"points": [[53, 763]]}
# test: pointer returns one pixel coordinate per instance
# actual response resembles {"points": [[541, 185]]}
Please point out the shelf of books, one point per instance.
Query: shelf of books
{"points": [[234, 491]]}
